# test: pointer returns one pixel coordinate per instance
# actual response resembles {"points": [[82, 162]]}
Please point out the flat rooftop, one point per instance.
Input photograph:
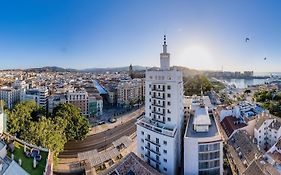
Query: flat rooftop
{"points": [[213, 130], [202, 116]]}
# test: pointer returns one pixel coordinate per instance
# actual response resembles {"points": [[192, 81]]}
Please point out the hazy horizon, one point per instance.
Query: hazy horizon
{"points": [[85, 34]]}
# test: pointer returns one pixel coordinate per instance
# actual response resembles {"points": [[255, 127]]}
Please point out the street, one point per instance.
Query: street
{"points": [[98, 141]]}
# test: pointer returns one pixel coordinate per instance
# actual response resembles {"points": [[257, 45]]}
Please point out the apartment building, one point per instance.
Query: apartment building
{"points": [[10, 96], [203, 146], [267, 130], [39, 95], [130, 92], [54, 100], [78, 98], [95, 105], [159, 131]]}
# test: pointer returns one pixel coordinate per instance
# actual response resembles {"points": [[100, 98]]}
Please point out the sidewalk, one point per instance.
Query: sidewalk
{"points": [[123, 119]]}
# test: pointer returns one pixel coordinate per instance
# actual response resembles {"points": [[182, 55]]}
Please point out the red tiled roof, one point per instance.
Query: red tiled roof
{"points": [[228, 125]]}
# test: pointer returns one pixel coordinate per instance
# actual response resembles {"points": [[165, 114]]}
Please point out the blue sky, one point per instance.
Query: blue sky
{"points": [[201, 34]]}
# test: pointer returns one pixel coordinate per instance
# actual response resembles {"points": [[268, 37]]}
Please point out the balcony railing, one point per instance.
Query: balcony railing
{"points": [[158, 112], [150, 158], [158, 89], [160, 97], [159, 105], [157, 127], [154, 143], [156, 120], [150, 149]]}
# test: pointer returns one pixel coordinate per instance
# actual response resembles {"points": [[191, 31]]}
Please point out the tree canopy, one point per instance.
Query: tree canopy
{"points": [[76, 126], [27, 121], [270, 100], [194, 85]]}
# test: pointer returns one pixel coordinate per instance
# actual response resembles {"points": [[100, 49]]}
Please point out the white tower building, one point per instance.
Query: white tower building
{"points": [[159, 131]]}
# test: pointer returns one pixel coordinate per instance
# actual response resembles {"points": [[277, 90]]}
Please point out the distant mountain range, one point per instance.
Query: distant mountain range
{"points": [[186, 71], [51, 69], [114, 69]]}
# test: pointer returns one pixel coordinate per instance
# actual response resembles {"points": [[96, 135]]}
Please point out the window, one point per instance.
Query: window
{"points": [[142, 140], [165, 151], [169, 103], [142, 156], [142, 133], [165, 142], [169, 119], [157, 157], [157, 140], [169, 87], [157, 167], [169, 95], [165, 160], [169, 112], [165, 169], [142, 148]]}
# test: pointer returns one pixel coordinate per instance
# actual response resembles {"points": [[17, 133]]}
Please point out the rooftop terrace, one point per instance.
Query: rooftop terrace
{"points": [[157, 127], [213, 130]]}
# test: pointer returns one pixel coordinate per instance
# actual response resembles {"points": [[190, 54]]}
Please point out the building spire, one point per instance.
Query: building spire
{"points": [[165, 45]]}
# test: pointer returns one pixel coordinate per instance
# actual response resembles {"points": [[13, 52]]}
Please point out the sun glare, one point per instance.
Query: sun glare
{"points": [[197, 57]]}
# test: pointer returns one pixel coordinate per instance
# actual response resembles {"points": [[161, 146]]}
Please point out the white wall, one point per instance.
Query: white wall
{"points": [[171, 147], [190, 156]]}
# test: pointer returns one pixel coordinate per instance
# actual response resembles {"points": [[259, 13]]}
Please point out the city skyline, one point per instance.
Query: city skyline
{"points": [[200, 35]]}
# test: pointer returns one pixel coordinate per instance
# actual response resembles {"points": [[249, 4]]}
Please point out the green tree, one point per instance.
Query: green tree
{"points": [[48, 133], [21, 117], [77, 126], [277, 97], [194, 85]]}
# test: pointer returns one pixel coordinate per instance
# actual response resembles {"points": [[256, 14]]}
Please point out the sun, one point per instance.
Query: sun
{"points": [[197, 57]]}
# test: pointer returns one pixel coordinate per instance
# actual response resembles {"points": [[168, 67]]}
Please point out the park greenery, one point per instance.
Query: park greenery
{"points": [[28, 121], [270, 100], [193, 85]]}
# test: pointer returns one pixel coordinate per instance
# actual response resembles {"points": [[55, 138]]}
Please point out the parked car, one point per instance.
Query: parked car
{"points": [[112, 120], [101, 122]]}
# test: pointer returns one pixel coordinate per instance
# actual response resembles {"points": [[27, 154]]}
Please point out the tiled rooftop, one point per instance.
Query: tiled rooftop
{"points": [[132, 164], [244, 145], [230, 124]]}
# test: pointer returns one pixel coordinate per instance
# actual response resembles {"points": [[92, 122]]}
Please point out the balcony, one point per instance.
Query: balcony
{"points": [[150, 158], [157, 127], [158, 112], [160, 97], [150, 149], [159, 105], [158, 89], [156, 120], [154, 143]]}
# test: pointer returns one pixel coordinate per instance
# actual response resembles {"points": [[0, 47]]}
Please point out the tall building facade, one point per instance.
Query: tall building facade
{"points": [[159, 131], [203, 145], [10, 96], [78, 99], [130, 92], [39, 95]]}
